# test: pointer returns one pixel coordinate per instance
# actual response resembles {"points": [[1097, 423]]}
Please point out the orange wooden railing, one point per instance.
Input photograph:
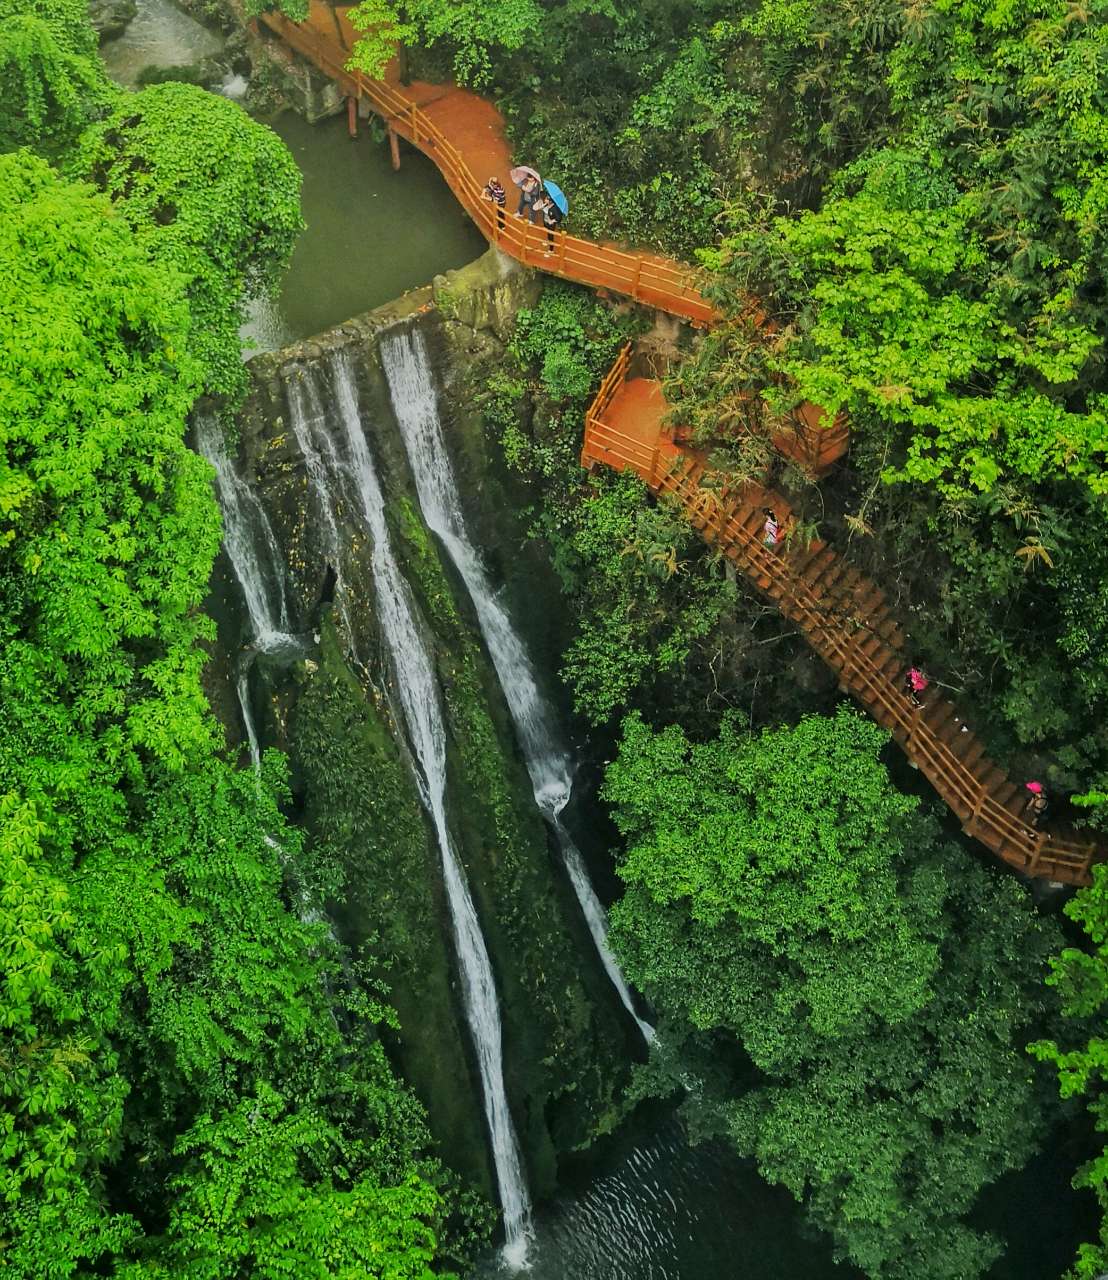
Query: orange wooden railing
{"points": [[669, 286], [604, 442], [865, 671], [868, 666]]}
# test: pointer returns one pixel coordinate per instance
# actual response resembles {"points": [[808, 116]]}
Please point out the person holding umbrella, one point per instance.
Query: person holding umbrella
{"points": [[530, 186], [554, 206]]}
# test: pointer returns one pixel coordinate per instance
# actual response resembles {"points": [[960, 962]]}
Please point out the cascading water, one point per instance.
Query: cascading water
{"points": [[249, 541], [355, 475], [257, 563], [309, 419], [414, 401]]}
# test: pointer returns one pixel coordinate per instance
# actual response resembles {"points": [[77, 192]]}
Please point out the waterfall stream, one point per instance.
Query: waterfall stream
{"points": [[337, 469], [249, 541], [415, 403], [256, 562]]}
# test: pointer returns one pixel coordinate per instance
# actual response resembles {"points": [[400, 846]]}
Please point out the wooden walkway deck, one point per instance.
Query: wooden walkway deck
{"points": [[844, 616], [464, 135]]}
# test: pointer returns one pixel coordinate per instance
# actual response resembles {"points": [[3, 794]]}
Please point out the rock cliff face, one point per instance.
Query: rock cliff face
{"points": [[565, 1042]]}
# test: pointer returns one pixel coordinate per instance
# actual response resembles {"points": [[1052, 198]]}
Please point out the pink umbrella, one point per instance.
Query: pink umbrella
{"points": [[1036, 788], [521, 172]]}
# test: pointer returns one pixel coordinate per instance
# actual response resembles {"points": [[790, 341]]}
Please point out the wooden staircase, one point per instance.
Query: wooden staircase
{"points": [[846, 619]]}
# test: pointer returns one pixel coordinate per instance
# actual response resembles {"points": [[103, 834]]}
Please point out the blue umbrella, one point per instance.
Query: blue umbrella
{"points": [[557, 195]]}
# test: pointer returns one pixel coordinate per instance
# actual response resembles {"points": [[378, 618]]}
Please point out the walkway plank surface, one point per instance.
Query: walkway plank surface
{"points": [[465, 136], [843, 615]]}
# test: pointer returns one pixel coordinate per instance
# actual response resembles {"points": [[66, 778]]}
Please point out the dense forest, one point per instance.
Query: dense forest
{"points": [[898, 210]]}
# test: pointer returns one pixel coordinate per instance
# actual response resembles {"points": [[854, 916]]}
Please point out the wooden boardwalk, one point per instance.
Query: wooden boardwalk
{"points": [[843, 615], [464, 135]]}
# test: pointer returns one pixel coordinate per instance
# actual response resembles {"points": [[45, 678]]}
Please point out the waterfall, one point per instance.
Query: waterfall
{"points": [[242, 688], [249, 541], [308, 414], [355, 476], [414, 401]]}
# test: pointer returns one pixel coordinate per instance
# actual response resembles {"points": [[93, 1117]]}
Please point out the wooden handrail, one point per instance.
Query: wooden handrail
{"points": [[669, 286]]}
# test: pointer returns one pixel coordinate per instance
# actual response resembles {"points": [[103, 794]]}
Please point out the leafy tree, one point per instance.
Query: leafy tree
{"points": [[61, 1099], [891, 325], [108, 526], [861, 992], [244, 1203], [1081, 1054], [211, 195], [473, 27], [627, 565], [161, 973], [51, 79]]}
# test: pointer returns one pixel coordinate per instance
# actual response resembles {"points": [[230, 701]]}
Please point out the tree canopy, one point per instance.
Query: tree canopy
{"points": [[179, 1098], [51, 80], [211, 194], [857, 994]]}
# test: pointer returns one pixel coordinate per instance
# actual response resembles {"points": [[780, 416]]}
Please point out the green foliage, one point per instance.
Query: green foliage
{"points": [[170, 1017], [896, 332], [571, 337], [51, 79], [1081, 1056], [640, 607], [61, 1099], [473, 28], [107, 527], [294, 10], [785, 900], [211, 195], [243, 1204]]}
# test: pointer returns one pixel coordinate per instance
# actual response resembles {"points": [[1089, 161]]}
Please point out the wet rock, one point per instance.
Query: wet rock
{"points": [[109, 18]]}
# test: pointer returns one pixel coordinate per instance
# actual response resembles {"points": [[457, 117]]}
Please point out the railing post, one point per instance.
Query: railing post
{"points": [[1040, 844], [414, 124]]}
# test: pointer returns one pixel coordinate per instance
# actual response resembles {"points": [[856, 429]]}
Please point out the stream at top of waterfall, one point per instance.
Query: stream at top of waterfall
{"points": [[642, 1204]]}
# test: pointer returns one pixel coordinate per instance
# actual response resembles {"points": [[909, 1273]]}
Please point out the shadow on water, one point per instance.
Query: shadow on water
{"points": [[371, 235]]}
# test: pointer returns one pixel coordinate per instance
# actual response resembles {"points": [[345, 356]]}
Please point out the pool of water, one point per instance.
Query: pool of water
{"points": [[371, 235], [648, 1206], [159, 35], [658, 1209]]}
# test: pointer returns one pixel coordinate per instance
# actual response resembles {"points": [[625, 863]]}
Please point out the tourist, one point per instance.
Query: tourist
{"points": [[494, 191], [1035, 809], [551, 220], [529, 191], [771, 530], [915, 682]]}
